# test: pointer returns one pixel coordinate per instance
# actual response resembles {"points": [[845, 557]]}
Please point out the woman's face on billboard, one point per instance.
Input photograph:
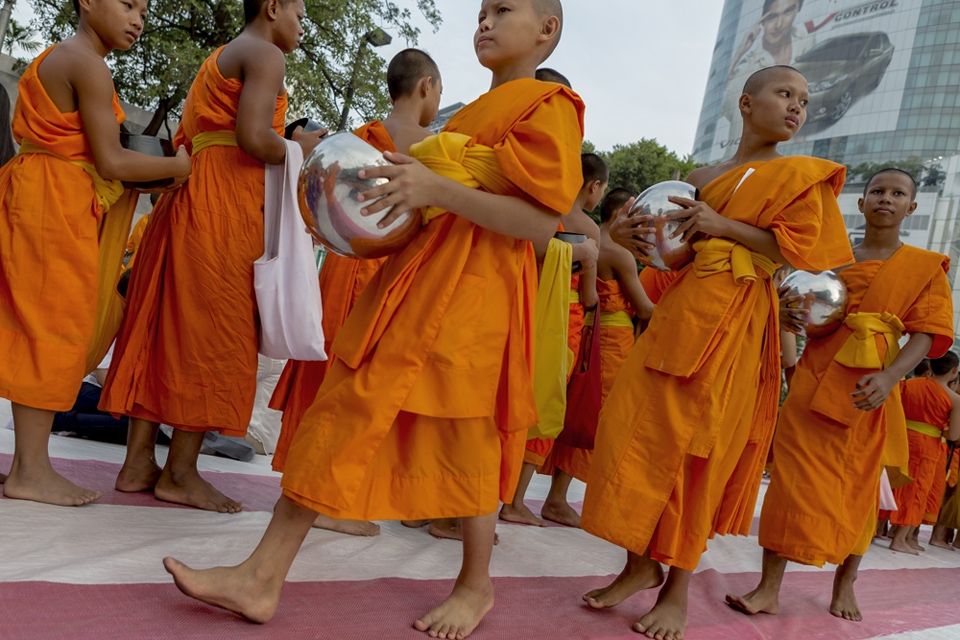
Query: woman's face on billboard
{"points": [[778, 21]]}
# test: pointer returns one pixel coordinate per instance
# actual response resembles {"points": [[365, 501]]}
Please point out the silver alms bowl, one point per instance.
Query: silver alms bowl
{"points": [[824, 301], [669, 254], [328, 190]]}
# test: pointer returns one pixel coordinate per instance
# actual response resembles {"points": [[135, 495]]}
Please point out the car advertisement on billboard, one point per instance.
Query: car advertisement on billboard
{"points": [[855, 56]]}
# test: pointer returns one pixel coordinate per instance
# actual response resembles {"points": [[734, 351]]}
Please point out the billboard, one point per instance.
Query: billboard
{"points": [[855, 56]]}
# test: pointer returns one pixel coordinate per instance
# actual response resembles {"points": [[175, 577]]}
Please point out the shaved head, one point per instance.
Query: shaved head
{"points": [[756, 82], [614, 202], [407, 69], [895, 171], [546, 9], [550, 75]]}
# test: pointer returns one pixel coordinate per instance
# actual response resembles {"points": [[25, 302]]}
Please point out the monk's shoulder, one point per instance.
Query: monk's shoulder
{"points": [[579, 222], [72, 69], [702, 176], [247, 55]]}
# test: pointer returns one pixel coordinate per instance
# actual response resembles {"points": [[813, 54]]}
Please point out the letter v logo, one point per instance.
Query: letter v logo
{"points": [[811, 27]]}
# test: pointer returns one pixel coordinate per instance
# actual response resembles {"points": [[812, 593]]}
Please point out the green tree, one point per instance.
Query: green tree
{"points": [[22, 36], [865, 170], [639, 165], [157, 72]]}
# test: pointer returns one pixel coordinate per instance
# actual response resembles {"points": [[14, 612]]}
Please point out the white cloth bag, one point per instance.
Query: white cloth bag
{"points": [[285, 277]]}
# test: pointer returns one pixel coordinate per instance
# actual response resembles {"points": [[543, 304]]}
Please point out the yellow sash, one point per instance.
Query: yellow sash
{"points": [[574, 296], [616, 319], [860, 349], [207, 139], [108, 191], [717, 255], [926, 429]]}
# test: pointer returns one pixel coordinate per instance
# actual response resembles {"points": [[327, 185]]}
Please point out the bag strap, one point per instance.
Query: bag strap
{"points": [[593, 358]]}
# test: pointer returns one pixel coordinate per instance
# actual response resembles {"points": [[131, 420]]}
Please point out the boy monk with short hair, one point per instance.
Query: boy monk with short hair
{"points": [[187, 353], [684, 434], [415, 86], [425, 410], [843, 419], [64, 219]]}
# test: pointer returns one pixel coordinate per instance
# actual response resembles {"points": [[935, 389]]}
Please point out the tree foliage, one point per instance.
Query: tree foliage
{"points": [[639, 165], [865, 170], [21, 36], [179, 35]]}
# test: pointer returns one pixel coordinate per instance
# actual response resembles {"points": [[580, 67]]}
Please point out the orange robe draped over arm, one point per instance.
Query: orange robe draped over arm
{"points": [[425, 408], [684, 434], [342, 280], [60, 254], [822, 501], [187, 353]]}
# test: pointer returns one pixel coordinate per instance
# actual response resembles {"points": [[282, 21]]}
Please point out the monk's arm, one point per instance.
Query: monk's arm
{"points": [[788, 349], [93, 86], [589, 297], [874, 388], [701, 218], [626, 269], [263, 70], [953, 433]]}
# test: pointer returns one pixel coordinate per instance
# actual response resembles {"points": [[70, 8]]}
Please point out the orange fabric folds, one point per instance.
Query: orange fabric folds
{"points": [[61, 246], [686, 427], [822, 501], [187, 353], [424, 410]]}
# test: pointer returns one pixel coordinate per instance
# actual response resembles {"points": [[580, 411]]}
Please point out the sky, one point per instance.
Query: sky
{"points": [[640, 66]]}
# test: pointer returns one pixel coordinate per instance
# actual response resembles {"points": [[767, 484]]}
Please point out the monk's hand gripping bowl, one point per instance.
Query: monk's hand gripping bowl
{"points": [[823, 300], [668, 254]]}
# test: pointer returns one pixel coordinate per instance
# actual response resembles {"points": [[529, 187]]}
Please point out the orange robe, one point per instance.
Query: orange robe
{"points": [[51, 252], [187, 353], [425, 409], [342, 280], [615, 345], [684, 434], [133, 242], [821, 505], [538, 449], [655, 282], [924, 401]]}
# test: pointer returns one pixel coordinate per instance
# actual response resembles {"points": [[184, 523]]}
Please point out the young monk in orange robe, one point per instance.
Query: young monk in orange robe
{"points": [[620, 294], [584, 296], [684, 435], [187, 353], [843, 419], [425, 409], [932, 412], [415, 86], [64, 219]]}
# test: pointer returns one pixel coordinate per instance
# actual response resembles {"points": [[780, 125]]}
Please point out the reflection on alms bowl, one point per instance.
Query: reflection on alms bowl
{"points": [[328, 188], [670, 254], [824, 300]]}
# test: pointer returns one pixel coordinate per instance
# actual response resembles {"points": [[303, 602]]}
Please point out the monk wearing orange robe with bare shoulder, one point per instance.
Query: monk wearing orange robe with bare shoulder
{"points": [[187, 353], [932, 411], [684, 434], [843, 420], [415, 86], [425, 410], [64, 220]]}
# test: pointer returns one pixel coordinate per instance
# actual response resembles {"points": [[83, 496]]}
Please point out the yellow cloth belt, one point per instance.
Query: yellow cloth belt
{"points": [[860, 349], [608, 319], [209, 139], [108, 191], [454, 156], [717, 255], [574, 296], [926, 429]]}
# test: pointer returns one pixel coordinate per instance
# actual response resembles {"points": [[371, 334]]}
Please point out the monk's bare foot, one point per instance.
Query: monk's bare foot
{"points": [[561, 513], [415, 524], [943, 544], [449, 529], [230, 588], [760, 600], [902, 547], [43, 484], [844, 603], [138, 476], [916, 545], [666, 621], [349, 527], [459, 614], [520, 515], [644, 574], [193, 491]]}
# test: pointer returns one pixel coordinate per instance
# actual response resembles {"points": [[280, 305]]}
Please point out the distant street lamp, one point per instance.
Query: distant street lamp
{"points": [[376, 38]]}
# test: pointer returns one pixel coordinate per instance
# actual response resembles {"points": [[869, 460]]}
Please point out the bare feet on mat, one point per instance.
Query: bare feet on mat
{"points": [[415, 524], [844, 603], [139, 476], [760, 600], [561, 513], [903, 547], [943, 544], [47, 486], [520, 515], [349, 527], [193, 491], [636, 576], [916, 545], [459, 614], [449, 529], [666, 621], [230, 588]]}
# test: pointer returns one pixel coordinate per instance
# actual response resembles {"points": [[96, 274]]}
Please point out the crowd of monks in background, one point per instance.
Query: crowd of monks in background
{"points": [[488, 349]]}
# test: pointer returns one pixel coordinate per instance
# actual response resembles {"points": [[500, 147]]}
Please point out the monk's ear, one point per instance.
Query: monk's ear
{"points": [[550, 29], [746, 104], [912, 208], [424, 86], [860, 204], [273, 8]]}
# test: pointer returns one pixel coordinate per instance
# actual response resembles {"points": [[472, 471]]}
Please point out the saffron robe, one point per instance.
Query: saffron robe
{"points": [[134, 241], [187, 353], [655, 282], [424, 411], [616, 341], [342, 280], [61, 247], [925, 401], [684, 434], [821, 505]]}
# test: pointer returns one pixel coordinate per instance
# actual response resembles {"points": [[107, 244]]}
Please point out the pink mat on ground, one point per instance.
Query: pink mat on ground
{"points": [[529, 608], [257, 493]]}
